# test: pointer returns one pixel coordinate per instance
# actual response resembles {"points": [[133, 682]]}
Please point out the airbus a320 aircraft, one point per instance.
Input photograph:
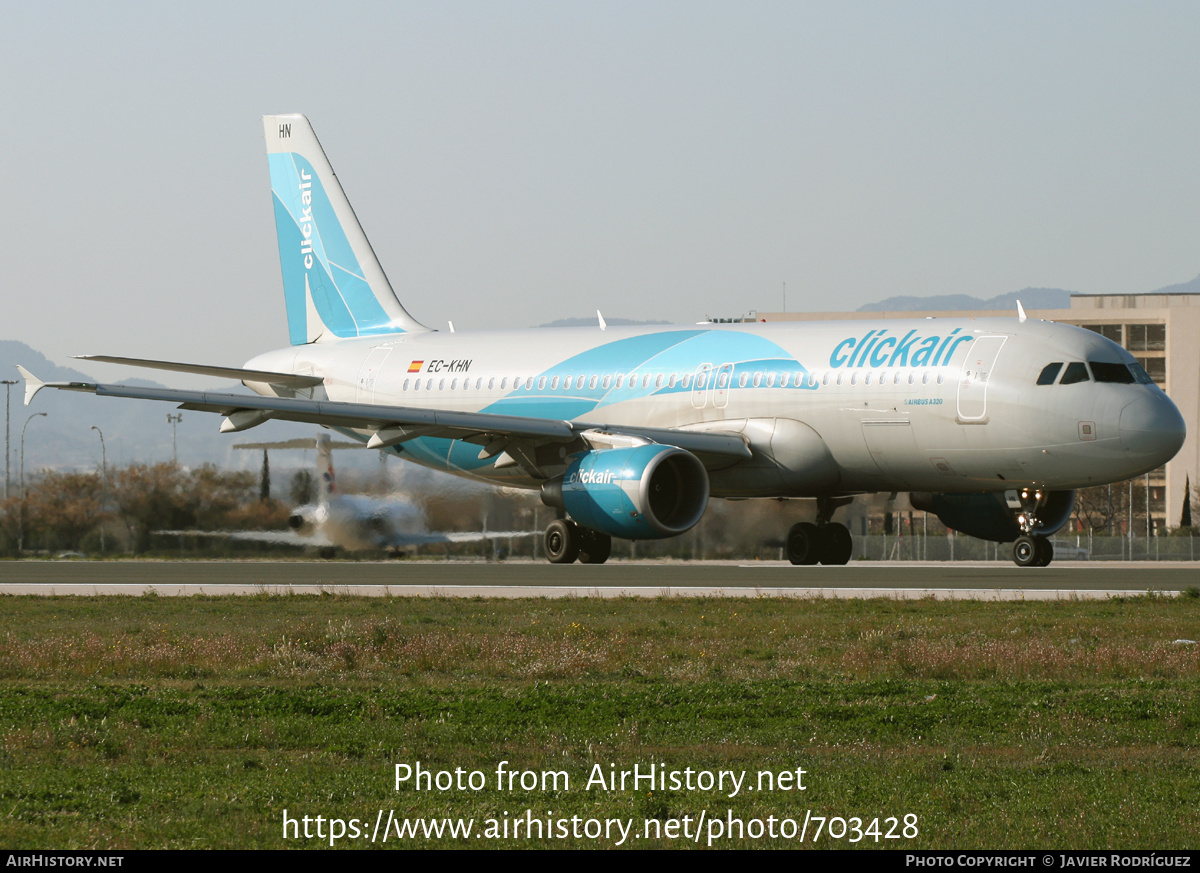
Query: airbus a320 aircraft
{"points": [[349, 521], [990, 423]]}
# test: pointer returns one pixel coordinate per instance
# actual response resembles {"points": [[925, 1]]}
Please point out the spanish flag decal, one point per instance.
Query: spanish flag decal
{"points": [[415, 366]]}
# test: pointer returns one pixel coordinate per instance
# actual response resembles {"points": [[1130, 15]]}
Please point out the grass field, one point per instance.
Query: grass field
{"points": [[162, 722]]}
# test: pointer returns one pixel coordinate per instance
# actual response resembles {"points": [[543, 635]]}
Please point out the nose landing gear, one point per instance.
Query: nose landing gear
{"points": [[1029, 550]]}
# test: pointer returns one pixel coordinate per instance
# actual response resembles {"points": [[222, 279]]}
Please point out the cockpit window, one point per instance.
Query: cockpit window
{"points": [[1141, 375], [1050, 373], [1076, 372], [1106, 372]]}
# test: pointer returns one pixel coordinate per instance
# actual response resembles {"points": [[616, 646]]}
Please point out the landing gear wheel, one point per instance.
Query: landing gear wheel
{"points": [[1045, 552], [804, 542], [594, 547], [1026, 551], [562, 541], [838, 545]]}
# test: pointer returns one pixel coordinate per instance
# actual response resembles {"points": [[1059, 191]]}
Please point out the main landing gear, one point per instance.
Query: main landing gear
{"points": [[565, 541], [1029, 550], [828, 544], [825, 542]]}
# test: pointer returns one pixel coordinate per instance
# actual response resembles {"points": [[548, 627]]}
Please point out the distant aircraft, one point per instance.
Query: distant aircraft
{"points": [[350, 521], [628, 431]]}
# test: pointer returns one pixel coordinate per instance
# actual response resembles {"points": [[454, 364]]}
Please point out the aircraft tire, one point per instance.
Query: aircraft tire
{"points": [[562, 541], [594, 547], [1026, 552], [838, 545], [1045, 551], [804, 543]]}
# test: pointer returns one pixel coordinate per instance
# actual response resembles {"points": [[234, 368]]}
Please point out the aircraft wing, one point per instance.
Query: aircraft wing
{"points": [[291, 380], [282, 537], [392, 425], [466, 536]]}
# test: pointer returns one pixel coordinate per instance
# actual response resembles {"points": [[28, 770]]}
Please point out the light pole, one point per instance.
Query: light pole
{"points": [[7, 383], [21, 527], [103, 484], [174, 420]]}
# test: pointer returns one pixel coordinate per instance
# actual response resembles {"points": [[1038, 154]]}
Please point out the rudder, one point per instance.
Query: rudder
{"points": [[333, 285]]}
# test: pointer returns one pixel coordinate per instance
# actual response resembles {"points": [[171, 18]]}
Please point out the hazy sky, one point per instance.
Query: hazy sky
{"points": [[514, 163]]}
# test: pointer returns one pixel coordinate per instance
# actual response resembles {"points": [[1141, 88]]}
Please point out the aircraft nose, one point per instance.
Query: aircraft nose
{"points": [[1152, 426]]}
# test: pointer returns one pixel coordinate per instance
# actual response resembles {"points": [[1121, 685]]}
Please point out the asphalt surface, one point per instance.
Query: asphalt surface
{"points": [[960, 580]]}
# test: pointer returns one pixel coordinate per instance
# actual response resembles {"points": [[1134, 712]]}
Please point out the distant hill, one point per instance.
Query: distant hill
{"points": [[1031, 298], [1192, 287]]}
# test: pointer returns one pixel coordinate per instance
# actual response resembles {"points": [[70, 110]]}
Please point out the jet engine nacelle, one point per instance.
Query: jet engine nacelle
{"points": [[989, 517], [303, 522], [637, 492]]}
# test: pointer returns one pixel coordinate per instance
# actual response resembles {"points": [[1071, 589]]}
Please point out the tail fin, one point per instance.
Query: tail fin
{"points": [[332, 282]]}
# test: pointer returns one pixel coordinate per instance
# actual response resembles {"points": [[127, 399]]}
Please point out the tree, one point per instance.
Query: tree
{"points": [[61, 508], [264, 488]]}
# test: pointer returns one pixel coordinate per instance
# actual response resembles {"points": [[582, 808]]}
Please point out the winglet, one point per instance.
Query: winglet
{"points": [[32, 384], [600, 318], [1020, 312]]}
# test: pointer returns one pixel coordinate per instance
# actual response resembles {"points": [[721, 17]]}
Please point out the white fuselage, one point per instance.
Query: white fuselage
{"points": [[943, 405]]}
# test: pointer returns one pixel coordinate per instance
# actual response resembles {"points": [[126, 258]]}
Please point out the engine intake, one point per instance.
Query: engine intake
{"points": [[302, 523], [638, 492]]}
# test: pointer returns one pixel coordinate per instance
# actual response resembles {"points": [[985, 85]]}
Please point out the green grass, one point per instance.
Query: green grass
{"points": [[163, 722]]}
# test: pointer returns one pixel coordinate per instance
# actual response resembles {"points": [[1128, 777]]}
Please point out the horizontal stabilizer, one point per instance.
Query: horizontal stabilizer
{"points": [[291, 380]]}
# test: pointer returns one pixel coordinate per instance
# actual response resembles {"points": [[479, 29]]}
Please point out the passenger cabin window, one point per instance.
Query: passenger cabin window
{"points": [[1076, 372], [1049, 373], [1107, 372]]}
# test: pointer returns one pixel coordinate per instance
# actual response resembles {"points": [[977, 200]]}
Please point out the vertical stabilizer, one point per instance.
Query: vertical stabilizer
{"points": [[333, 285]]}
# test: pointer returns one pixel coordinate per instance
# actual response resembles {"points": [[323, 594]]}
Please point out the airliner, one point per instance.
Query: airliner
{"points": [[354, 522], [989, 423]]}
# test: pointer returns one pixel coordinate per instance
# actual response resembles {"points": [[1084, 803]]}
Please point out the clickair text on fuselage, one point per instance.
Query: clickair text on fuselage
{"points": [[877, 349]]}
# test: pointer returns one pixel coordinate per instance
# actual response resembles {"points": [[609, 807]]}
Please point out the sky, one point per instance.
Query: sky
{"points": [[515, 163]]}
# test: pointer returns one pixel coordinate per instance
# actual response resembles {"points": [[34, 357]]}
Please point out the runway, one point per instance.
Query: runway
{"points": [[861, 579]]}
